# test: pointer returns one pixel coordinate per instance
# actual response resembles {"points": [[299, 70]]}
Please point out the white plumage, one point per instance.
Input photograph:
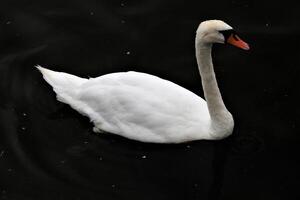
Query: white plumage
{"points": [[135, 105], [147, 108]]}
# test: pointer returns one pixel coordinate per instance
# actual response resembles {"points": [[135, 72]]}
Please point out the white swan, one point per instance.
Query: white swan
{"points": [[147, 108]]}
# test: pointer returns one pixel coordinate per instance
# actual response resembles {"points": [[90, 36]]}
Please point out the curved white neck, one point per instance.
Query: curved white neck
{"points": [[217, 110]]}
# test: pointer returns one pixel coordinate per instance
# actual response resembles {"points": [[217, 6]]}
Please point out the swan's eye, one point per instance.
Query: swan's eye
{"points": [[227, 33]]}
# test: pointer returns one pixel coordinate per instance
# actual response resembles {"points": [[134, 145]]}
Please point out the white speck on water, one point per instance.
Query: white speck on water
{"points": [[128, 53], [100, 158], [9, 169], [8, 22], [123, 21], [86, 142], [267, 24], [91, 13], [2, 153], [188, 146], [122, 4], [144, 157], [62, 161], [24, 114], [23, 128], [113, 185]]}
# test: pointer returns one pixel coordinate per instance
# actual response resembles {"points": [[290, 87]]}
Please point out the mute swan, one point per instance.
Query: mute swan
{"points": [[147, 108]]}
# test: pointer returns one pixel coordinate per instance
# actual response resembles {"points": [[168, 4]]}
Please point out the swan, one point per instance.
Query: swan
{"points": [[146, 108]]}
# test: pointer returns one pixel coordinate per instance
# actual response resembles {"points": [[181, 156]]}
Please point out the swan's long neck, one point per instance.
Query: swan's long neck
{"points": [[217, 110]]}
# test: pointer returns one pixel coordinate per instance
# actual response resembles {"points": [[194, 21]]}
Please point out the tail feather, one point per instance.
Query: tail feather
{"points": [[65, 85]]}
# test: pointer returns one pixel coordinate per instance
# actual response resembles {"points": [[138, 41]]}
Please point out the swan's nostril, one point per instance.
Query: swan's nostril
{"points": [[235, 37]]}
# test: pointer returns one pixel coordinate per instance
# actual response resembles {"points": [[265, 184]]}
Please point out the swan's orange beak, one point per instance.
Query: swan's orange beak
{"points": [[237, 41]]}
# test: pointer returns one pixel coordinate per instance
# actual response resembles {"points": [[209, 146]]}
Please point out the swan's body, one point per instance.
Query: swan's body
{"points": [[136, 105], [147, 108]]}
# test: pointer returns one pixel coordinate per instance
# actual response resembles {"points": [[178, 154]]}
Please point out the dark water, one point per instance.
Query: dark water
{"points": [[48, 151]]}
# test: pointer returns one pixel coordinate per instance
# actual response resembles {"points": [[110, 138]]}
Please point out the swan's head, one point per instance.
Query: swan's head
{"points": [[217, 31]]}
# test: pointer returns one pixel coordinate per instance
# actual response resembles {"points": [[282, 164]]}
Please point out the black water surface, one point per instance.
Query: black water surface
{"points": [[48, 151]]}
